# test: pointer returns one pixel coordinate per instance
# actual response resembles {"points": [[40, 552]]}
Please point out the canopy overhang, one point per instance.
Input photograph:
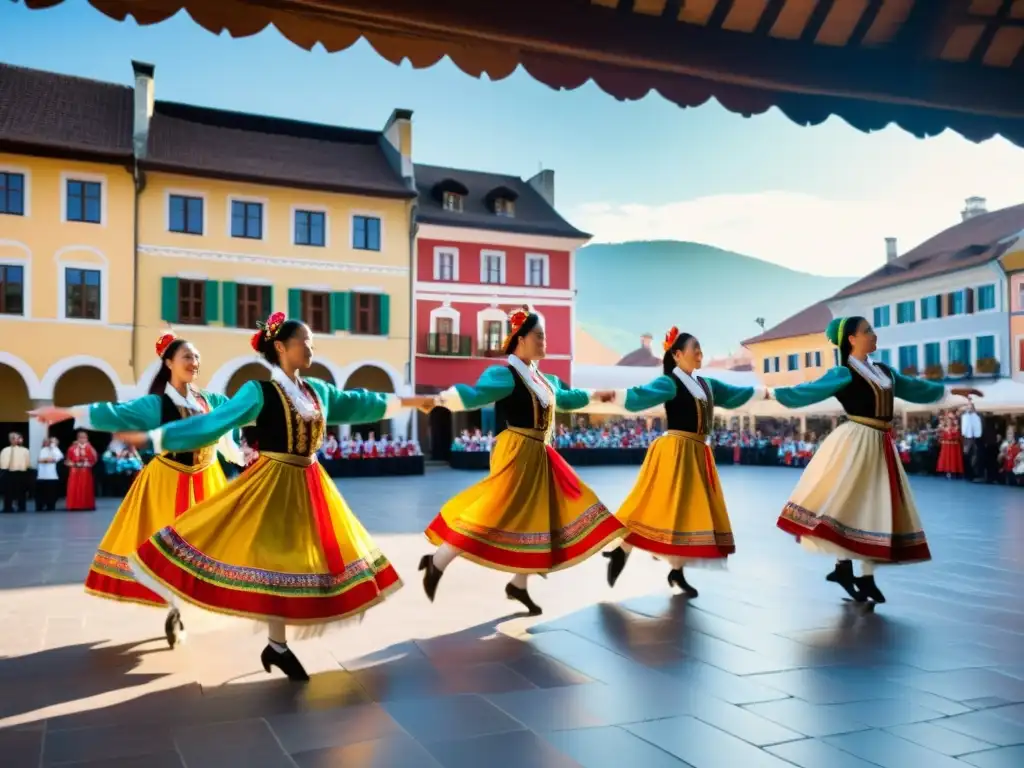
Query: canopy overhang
{"points": [[926, 65]]}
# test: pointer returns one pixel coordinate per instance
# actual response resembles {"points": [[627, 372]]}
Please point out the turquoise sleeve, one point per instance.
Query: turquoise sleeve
{"points": [[915, 390], [646, 396], [201, 431], [139, 415], [494, 384], [811, 392], [216, 400], [350, 406], [728, 396], [567, 399]]}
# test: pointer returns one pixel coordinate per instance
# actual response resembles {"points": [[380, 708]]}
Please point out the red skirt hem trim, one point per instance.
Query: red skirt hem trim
{"points": [[120, 589], [697, 552], [887, 554]]}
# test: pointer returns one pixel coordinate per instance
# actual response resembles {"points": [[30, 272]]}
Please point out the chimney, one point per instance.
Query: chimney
{"points": [[646, 340], [544, 182], [974, 206], [891, 254], [397, 144], [143, 112]]}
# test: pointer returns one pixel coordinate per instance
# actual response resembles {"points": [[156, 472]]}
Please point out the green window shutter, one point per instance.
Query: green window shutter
{"points": [[169, 299], [229, 291], [385, 314], [294, 304], [341, 311], [268, 301], [212, 301]]}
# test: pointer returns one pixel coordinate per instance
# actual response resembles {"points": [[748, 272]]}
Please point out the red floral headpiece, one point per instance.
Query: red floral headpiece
{"points": [[670, 337], [518, 317], [267, 330], [164, 342]]}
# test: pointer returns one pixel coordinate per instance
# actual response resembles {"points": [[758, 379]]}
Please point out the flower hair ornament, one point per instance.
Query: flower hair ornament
{"points": [[163, 343], [267, 330], [516, 318], [670, 338]]}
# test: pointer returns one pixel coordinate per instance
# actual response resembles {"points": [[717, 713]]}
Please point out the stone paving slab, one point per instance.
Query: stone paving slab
{"points": [[769, 667]]}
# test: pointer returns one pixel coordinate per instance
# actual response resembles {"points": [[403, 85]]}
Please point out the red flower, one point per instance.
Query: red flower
{"points": [[255, 340], [670, 337], [163, 343]]}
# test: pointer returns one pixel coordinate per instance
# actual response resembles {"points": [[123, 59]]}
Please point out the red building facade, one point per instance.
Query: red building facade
{"points": [[487, 244]]}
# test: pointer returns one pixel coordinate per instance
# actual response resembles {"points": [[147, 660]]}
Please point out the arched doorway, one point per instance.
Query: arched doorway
{"points": [[371, 378], [319, 371], [440, 431], [77, 386], [248, 372], [14, 404]]}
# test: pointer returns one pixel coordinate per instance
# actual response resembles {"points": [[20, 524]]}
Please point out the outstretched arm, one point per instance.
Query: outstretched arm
{"points": [[494, 384], [728, 396], [645, 396], [355, 406], [811, 392], [207, 429], [568, 399], [921, 391], [141, 414]]}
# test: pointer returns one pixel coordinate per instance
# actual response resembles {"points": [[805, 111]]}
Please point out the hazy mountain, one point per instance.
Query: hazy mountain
{"points": [[628, 289]]}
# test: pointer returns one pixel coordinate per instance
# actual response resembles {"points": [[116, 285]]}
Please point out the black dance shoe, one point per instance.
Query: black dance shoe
{"points": [[174, 628], [512, 592], [431, 576], [869, 590], [616, 562], [676, 579], [286, 662], [843, 576]]}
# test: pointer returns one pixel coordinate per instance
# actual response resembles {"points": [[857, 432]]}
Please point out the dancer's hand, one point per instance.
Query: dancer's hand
{"points": [[966, 391], [134, 439], [422, 403], [605, 396], [51, 414]]}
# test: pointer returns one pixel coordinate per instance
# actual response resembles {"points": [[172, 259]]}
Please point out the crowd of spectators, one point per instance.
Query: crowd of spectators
{"points": [[355, 447]]}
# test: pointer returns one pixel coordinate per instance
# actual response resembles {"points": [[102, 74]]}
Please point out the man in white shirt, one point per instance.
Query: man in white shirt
{"points": [[970, 432], [47, 481], [14, 461]]}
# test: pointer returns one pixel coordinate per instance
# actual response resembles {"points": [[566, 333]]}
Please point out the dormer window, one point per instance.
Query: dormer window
{"points": [[502, 201], [451, 201], [504, 207]]}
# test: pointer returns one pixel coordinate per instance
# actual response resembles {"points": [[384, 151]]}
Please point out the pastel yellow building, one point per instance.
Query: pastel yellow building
{"points": [[122, 216], [1013, 263], [795, 350]]}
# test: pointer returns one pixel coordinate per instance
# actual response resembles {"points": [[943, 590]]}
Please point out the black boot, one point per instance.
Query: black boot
{"points": [[843, 576], [512, 592], [174, 628], [286, 662], [676, 579], [869, 590], [431, 576], [616, 562]]}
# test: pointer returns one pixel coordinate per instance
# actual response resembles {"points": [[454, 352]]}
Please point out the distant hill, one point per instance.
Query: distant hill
{"points": [[627, 289]]}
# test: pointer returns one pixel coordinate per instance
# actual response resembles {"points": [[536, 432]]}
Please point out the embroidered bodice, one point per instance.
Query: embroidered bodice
{"points": [[687, 413], [865, 396], [522, 407], [279, 427], [174, 409]]}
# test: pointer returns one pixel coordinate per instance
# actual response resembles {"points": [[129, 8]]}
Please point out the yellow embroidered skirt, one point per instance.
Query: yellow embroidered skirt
{"points": [[853, 500], [531, 514], [162, 492], [278, 543], [676, 507]]}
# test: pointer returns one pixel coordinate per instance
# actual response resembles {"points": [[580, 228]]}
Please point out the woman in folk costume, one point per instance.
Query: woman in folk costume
{"points": [[81, 458], [853, 501], [676, 510], [951, 456], [165, 489], [531, 514], [278, 544]]}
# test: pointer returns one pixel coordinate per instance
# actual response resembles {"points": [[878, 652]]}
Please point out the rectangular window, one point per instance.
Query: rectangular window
{"points": [[366, 233], [776, 364], [492, 269], [84, 201], [793, 362], [535, 271], [185, 214], [808, 359], [310, 228], [316, 311], [446, 266], [905, 311], [451, 201], [367, 314], [253, 304], [931, 308], [192, 302], [12, 194], [494, 334], [959, 351], [12, 289], [881, 317], [986, 298], [445, 331], [932, 354], [247, 220], [767, 365], [986, 347], [884, 356], [817, 359], [908, 360], [957, 303], [82, 293]]}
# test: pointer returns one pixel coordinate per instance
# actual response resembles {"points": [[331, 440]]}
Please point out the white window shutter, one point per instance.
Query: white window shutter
{"points": [[503, 269], [437, 266]]}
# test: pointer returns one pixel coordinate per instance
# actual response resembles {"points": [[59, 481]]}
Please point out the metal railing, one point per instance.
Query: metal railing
{"points": [[449, 344]]}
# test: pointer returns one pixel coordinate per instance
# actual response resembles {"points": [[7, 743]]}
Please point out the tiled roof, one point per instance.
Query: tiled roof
{"points": [[69, 115], [268, 150], [533, 215], [642, 357], [968, 244], [814, 319]]}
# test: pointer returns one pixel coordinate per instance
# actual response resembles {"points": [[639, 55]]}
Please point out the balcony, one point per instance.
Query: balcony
{"points": [[449, 345], [487, 348]]}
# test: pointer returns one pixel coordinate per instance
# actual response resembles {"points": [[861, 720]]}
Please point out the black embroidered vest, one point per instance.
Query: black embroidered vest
{"points": [[280, 429], [522, 409], [169, 412], [863, 397], [687, 413]]}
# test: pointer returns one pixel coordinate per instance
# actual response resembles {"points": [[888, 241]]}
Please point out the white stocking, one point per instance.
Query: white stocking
{"points": [[150, 583], [444, 555], [277, 635], [867, 567], [519, 580], [675, 561], [626, 548]]}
